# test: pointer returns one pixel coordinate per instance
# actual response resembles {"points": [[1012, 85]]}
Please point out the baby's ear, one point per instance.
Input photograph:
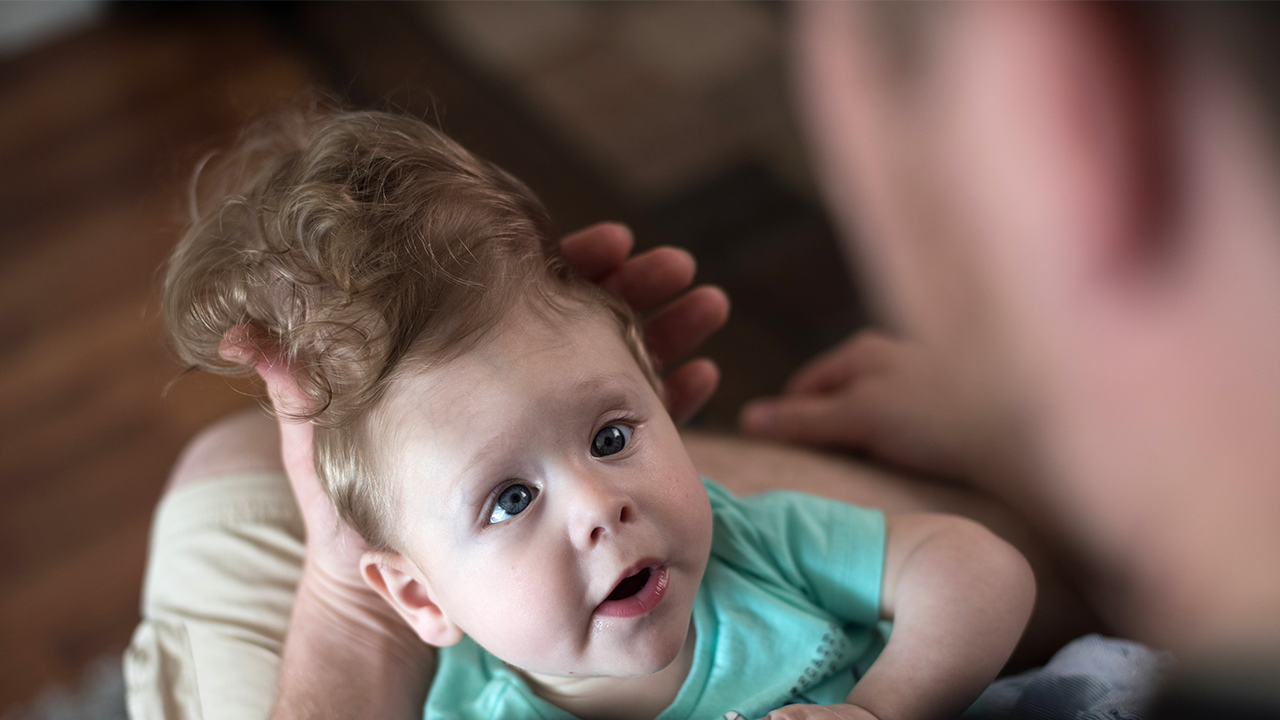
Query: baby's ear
{"points": [[402, 584]]}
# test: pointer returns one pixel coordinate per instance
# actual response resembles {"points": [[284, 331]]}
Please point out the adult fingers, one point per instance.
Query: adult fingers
{"points": [[805, 420], [249, 345], [652, 278], [296, 440], [683, 325], [865, 351], [599, 250], [829, 371], [689, 387], [599, 254]]}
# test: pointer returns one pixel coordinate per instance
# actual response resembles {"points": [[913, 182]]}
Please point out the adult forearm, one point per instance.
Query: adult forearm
{"points": [[343, 664]]}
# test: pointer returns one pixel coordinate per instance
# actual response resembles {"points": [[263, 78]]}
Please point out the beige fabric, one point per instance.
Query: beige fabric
{"points": [[225, 558]]}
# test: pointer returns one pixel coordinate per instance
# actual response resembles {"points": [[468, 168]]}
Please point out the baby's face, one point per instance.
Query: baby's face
{"points": [[548, 500]]}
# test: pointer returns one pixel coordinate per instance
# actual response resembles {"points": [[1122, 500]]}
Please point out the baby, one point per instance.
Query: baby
{"points": [[493, 427]]}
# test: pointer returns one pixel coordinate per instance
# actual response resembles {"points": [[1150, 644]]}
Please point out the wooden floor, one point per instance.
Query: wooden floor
{"points": [[97, 133]]}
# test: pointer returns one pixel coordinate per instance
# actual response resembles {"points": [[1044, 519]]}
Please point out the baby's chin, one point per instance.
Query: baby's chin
{"points": [[631, 660], [654, 655]]}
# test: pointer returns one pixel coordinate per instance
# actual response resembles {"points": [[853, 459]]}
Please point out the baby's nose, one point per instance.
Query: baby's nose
{"points": [[599, 511]]}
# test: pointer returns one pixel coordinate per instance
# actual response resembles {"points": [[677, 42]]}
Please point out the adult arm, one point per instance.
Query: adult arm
{"points": [[347, 654]]}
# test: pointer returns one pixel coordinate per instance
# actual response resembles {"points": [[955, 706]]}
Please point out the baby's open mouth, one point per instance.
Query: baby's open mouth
{"points": [[638, 593], [630, 585]]}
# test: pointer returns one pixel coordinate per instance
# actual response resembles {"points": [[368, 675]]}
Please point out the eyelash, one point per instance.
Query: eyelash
{"points": [[627, 420], [491, 502]]}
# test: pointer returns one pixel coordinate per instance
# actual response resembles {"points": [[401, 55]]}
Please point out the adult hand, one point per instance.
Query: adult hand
{"points": [[871, 393], [347, 652], [842, 711], [651, 280], [333, 548], [600, 253]]}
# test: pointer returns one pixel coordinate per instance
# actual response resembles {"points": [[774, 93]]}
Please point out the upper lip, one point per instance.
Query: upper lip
{"points": [[651, 563]]}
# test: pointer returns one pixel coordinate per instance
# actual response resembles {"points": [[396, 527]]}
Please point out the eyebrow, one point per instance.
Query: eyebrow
{"points": [[615, 384], [597, 390]]}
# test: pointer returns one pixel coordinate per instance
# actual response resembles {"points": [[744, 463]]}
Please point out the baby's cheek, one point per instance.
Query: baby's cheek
{"points": [[700, 524], [525, 611], [696, 505]]}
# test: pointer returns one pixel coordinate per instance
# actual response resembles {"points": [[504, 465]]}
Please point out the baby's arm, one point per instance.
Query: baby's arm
{"points": [[959, 598]]}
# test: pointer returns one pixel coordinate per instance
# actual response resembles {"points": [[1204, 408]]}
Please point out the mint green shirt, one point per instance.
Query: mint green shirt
{"points": [[788, 612]]}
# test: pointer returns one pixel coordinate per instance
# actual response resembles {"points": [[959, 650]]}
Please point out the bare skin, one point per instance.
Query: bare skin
{"points": [[1022, 245], [250, 441], [347, 653], [247, 441], [1084, 225], [887, 399], [892, 400], [877, 394]]}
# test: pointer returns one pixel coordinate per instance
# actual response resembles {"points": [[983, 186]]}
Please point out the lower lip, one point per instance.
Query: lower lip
{"points": [[640, 603]]}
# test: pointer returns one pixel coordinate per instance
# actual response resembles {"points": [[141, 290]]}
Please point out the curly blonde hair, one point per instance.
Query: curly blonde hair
{"points": [[357, 241]]}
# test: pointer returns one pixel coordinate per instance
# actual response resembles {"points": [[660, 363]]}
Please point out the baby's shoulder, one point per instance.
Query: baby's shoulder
{"points": [[790, 518]]}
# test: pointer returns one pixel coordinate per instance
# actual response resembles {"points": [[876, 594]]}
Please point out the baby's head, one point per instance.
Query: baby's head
{"points": [[489, 422]]}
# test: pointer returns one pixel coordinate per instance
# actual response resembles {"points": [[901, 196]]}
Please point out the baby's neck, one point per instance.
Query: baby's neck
{"points": [[618, 698]]}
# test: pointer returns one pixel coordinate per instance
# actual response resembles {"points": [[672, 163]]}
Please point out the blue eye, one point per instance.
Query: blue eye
{"points": [[511, 502], [611, 439]]}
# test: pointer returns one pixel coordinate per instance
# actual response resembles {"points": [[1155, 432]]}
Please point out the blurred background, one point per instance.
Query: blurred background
{"points": [[673, 117]]}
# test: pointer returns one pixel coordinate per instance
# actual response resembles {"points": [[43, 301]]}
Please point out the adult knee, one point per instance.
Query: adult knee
{"points": [[247, 441]]}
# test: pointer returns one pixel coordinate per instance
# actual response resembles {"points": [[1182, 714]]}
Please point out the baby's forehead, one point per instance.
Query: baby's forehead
{"points": [[524, 363], [521, 342], [491, 410]]}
